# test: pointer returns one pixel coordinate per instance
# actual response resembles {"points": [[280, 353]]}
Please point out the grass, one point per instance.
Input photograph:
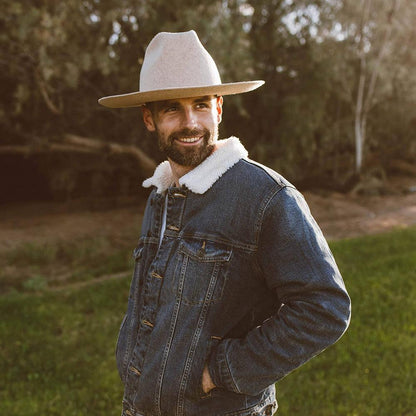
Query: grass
{"points": [[57, 351], [371, 370], [32, 267], [57, 348]]}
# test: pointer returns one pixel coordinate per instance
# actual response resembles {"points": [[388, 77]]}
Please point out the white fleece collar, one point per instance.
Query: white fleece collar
{"points": [[200, 179]]}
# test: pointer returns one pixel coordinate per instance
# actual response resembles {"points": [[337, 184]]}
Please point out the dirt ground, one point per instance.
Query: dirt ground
{"points": [[339, 215]]}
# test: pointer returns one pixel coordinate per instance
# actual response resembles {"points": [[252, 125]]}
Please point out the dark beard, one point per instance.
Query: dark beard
{"points": [[183, 156]]}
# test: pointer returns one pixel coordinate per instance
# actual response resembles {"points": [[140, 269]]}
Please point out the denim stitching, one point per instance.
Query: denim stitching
{"points": [[236, 389], [196, 337], [170, 339]]}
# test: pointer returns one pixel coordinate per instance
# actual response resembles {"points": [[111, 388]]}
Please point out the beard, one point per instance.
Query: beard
{"points": [[190, 156]]}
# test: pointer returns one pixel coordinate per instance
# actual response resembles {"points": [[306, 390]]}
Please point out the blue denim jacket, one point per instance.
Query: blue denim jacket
{"points": [[243, 280]]}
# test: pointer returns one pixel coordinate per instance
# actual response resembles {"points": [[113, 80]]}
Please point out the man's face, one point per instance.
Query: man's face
{"points": [[187, 128]]}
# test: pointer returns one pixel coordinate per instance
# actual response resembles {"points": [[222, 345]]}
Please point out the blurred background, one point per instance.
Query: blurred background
{"points": [[336, 117], [338, 106]]}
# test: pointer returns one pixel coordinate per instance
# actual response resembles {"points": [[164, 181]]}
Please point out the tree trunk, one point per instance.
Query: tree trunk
{"points": [[365, 96], [359, 104], [359, 118]]}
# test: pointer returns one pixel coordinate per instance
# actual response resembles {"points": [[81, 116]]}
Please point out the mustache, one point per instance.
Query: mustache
{"points": [[187, 133]]}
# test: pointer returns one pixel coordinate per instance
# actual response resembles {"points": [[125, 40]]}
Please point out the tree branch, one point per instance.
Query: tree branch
{"points": [[147, 164], [41, 84], [380, 56]]}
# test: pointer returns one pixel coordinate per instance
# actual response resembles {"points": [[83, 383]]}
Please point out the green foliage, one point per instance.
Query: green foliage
{"points": [[57, 350], [59, 57]]}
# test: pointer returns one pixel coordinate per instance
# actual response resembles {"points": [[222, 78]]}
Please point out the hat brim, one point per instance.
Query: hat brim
{"points": [[136, 99]]}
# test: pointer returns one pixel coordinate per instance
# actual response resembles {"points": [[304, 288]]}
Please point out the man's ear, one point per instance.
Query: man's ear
{"points": [[148, 119], [219, 108]]}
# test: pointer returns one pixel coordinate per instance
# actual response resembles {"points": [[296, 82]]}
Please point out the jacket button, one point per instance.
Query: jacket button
{"points": [[135, 370], [156, 276], [147, 323]]}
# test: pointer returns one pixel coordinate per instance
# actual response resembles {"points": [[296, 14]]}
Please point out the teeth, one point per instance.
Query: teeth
{"points": [[189, 139]]}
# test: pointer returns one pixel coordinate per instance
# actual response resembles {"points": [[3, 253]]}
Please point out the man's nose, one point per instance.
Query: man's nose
{"points": [[189, 118]]}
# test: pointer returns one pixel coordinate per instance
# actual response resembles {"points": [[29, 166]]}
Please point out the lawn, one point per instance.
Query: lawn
{"points": [[57, 346]]}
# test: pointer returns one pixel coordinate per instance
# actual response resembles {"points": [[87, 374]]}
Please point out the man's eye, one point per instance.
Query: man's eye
{"points": [[202, 105], [170, 109]]}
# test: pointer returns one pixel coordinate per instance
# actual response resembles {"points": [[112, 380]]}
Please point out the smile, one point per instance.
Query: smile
{"points": [[189, 139]]}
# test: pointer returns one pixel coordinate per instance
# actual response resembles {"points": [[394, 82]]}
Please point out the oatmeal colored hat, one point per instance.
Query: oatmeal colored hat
{"points": [[176, 65]]}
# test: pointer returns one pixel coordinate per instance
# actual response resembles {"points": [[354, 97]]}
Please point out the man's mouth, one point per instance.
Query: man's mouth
{"points": [[189, 139]]}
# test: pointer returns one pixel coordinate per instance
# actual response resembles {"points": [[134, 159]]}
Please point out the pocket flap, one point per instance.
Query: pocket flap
{"points": [[205, 250]]}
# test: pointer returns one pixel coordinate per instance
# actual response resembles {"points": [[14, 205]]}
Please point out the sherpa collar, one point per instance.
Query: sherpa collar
{"points": [[200, 179]]}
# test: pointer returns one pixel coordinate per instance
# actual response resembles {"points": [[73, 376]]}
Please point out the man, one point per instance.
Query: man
{"points": [[234, 285]]}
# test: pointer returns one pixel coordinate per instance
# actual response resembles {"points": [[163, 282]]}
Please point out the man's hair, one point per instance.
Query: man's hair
{"points": [[151, 106]]}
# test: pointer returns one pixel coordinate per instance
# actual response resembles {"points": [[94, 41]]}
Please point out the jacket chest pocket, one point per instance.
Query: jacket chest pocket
{"points": [[201, 272]]}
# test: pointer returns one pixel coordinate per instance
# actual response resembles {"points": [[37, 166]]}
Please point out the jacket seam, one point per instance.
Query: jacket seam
{"points": [[251, 248], [265, 402], [260, 222], [236, 389]]}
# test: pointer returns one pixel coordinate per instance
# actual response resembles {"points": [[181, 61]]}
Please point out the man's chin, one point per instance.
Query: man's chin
{"points": [[190, 159]]}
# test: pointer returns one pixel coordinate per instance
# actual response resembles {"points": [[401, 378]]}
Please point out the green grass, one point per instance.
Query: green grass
{"points": [[372, 369], [57, 348], [57, 351], [33, 267]]}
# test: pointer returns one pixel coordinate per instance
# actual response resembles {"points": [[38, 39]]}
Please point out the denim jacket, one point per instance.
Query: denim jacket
{"points": [[242, 280]]}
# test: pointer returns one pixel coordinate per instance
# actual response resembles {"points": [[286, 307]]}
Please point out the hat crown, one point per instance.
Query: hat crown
{"points": [[177, 60]]}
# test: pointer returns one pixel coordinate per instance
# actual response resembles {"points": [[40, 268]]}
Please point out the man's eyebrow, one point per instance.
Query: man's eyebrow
{"points": [[168, 103]]}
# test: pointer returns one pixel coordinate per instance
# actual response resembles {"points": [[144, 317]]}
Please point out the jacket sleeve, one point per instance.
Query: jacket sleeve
{"points": [[298, 266]]}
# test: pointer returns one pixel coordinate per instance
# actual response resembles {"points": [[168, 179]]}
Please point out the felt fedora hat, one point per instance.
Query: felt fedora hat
{"points": [[176, 65]]}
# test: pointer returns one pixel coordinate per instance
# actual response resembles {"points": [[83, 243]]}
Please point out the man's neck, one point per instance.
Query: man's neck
{"points": [[178, 171]]}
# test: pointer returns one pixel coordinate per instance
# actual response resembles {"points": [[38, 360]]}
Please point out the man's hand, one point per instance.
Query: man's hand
{"points": [[207, 383]]}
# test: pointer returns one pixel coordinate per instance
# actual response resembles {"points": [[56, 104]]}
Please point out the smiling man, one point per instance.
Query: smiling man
{"points": [[234, 285], [187, 129]]}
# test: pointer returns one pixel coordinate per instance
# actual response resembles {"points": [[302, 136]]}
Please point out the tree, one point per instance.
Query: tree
{"points": [[340, 84], [369, 33], [289, 114], [367, 78], [58, 58]]}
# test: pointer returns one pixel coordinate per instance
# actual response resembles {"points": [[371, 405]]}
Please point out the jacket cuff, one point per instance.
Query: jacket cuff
{"points": [[219, 369]]}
